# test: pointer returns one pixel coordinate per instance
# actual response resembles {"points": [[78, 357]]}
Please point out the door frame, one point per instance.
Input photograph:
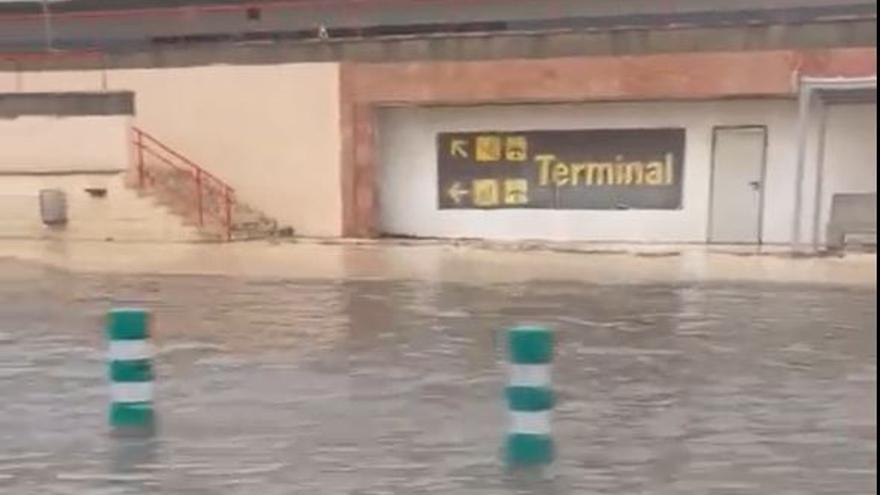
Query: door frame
{"points": [[762, 177]]}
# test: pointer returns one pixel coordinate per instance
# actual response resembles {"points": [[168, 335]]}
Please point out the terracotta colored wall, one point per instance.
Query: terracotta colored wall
{"points": [[271, 131], [364, 87]]}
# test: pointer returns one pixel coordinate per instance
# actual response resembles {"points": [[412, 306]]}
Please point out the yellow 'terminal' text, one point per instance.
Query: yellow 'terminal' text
{"points": [[614, 173]]}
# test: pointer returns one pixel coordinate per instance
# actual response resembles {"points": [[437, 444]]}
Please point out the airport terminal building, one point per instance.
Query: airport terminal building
{"points": [[691, 122]]}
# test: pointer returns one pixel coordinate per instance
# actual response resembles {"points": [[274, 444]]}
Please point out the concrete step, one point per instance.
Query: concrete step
{"points": [[174, 191]]}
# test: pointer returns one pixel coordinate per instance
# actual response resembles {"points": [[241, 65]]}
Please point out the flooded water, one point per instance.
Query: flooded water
{"points": [[276, 386]]}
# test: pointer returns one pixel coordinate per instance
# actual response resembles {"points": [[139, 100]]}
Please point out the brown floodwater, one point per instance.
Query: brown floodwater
{"points": [[340, 386]]}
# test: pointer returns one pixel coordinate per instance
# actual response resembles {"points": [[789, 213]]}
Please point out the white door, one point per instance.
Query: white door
{"points": [[737, 182]]}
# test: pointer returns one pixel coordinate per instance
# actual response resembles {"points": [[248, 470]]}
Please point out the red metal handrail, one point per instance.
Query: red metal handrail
{"points": [[177, 155], [207, 189]]}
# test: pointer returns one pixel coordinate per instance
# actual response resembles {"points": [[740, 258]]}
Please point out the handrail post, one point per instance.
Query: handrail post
{"points": [[139, 143], [227, 200], [204, 182], [199, 197]]}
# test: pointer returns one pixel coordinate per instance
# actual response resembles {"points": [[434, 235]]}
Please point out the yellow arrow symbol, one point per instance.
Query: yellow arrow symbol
{"points": [[457, 148], [456, 192]]}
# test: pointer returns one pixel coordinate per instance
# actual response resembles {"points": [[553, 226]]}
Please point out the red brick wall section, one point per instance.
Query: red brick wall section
{"points": [[563, 80]]}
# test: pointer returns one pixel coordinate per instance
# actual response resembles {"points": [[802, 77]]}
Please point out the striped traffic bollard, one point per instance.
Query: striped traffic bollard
{"points": [[131, 372], [529, 397]]}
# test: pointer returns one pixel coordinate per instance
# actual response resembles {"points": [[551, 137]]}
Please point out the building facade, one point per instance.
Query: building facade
{"points": [[551, 134]]}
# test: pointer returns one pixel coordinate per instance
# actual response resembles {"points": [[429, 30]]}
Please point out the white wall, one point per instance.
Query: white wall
{"points": [[408, 170], [53, 144]]}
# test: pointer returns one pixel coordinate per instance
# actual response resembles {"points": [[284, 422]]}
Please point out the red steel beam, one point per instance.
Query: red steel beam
{"points": [[189, 10]]}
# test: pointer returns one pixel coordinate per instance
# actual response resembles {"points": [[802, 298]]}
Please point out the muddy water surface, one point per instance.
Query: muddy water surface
{"points": [[394, 387]]}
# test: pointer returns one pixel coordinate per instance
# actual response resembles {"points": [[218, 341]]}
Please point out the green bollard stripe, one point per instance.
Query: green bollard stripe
{"points": [[530, 345], [131, 414], [128, 324], [529, 398], [139, 370], [523, 449]]}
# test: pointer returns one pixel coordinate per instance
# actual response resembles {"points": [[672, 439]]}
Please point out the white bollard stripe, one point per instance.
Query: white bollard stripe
{"points": [[131, 391], [531, 423], [128, 350], [529, 375]]}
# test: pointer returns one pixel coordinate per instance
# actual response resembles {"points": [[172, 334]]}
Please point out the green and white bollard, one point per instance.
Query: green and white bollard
{"points": [[131, 372], [530, 397]]}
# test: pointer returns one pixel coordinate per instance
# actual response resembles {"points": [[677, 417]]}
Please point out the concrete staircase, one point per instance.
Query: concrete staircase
{"points": [[250, 223], [176, 191], [195, 195]]}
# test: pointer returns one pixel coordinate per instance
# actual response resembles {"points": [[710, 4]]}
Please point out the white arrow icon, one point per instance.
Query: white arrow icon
{"points": [[457, 148], [456, 192]]}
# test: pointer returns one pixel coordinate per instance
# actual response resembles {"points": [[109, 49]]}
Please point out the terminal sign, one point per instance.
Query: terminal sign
{"points": [[572, 169]]}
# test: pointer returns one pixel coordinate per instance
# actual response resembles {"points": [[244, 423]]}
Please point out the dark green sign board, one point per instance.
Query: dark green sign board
{"points": [[601, 169]]}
